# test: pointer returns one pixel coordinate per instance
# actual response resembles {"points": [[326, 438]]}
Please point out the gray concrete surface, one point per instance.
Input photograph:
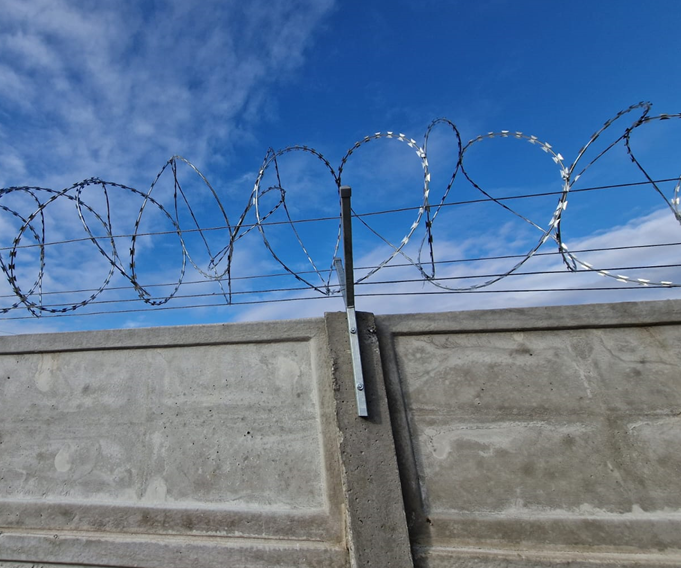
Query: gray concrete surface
{"points": [[529, 438], [377, 527], [539, 434], [203, 432]]}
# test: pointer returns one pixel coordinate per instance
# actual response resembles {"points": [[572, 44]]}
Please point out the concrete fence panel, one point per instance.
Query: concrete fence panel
{"points": [[199, 446], [539, 437]]}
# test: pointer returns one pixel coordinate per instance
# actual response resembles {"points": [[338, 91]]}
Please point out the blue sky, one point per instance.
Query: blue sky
{"points": [[113, 90]]}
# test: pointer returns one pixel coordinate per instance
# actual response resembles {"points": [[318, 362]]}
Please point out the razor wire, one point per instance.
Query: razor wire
{"points": [[220, 263]]}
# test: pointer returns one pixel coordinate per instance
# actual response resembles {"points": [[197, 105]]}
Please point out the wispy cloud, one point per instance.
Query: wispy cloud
{"points": [[658, 227], [97, 89], [112, 91], [115, 90]]}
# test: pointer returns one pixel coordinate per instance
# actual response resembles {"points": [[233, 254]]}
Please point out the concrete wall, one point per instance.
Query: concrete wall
{"points": [[219, 441], [516, 438], [539, 437]]}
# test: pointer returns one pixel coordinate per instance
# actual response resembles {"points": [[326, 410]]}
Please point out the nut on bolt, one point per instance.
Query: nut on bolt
{"points": [[360, 387]]}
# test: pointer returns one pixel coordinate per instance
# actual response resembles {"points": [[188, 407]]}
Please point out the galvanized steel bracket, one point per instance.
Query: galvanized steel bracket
{"points": [[346, 281]]}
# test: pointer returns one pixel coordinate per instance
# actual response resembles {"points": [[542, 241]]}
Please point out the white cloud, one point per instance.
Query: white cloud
{"points": [[658, 227], [113, 90], [251, 258]]}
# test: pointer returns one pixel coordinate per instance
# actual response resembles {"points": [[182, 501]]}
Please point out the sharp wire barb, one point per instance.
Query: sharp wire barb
{"points": [[93, 202]]}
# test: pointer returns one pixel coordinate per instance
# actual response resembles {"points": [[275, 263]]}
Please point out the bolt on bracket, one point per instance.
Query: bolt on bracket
{"points": [[347, 284]]}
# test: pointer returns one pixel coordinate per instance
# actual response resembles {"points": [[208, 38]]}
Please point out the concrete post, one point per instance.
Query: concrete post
{"points": [[377, 526]]}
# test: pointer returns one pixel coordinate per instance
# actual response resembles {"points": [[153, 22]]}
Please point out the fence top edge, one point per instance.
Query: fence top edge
{"points": [[620, 314], [275, 331]]}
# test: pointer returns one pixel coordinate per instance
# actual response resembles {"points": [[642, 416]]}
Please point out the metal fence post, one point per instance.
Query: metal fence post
{"points": [[346, 279]]}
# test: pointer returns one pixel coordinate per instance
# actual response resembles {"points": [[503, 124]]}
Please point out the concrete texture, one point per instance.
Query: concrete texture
{"points": [[528, 558], [531, 438], [552, 429], [216, 431], [377, 527]]}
